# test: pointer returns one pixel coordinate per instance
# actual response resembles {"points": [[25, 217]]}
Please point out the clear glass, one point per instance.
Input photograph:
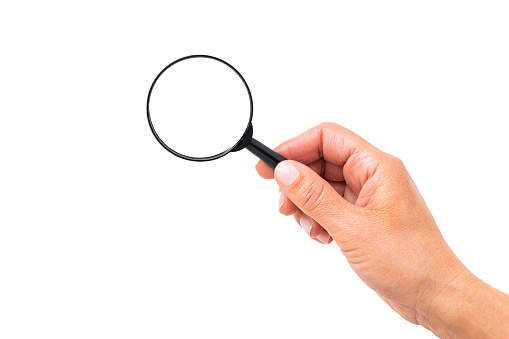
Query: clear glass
{"points": [[199, 107]]}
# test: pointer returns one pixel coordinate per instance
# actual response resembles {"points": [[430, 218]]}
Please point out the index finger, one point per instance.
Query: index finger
{"points": [[332, 142]]}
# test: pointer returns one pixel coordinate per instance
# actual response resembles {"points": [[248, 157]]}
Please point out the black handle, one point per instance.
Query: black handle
{"points": [[267, 155]]}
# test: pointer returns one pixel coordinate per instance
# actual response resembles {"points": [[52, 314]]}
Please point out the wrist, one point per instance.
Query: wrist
{"points": [[442, 300], [465, 306]]}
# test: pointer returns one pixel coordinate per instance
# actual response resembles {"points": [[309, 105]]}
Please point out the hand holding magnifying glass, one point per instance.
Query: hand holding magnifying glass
{"points": [[203, 109], [337, 185]]}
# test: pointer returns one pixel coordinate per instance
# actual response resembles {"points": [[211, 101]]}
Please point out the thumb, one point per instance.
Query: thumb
{"points": [[314, 196]]}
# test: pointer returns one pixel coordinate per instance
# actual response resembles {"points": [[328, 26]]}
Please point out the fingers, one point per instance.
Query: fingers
{"points": [[264, 170], [327, 170], [314, 230], [342, 158], [323, 168], [313, 195], [346, 156], [330, 141], [286, 206]]}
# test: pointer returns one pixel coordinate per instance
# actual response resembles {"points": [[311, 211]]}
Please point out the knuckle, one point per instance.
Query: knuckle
{"points": [[395, 161], [327, 124], [399, 162], [394, 167]]}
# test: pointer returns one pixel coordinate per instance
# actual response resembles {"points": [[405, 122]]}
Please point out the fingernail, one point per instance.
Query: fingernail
{"points": [[281, 199], [286, 173], [306, 224], [323, 237]]}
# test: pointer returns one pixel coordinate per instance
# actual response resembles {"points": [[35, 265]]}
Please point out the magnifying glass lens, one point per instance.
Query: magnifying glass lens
{"points": [[199, 107]]}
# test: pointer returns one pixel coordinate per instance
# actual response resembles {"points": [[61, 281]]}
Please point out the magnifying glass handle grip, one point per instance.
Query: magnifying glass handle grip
{"points": [[265, 154]]}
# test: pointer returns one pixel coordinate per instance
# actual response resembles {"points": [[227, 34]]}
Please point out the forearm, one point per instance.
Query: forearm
{"points": [[468, 308]]}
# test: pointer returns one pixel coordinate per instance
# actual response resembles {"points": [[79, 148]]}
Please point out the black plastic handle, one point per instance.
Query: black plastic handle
{"points": [[265, 154]]}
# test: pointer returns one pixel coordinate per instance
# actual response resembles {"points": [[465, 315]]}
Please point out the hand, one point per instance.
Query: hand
{"points": [[339, 187]]}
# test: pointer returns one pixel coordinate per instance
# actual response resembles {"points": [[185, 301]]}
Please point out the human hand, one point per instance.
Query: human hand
{"points": [[339, 187]]}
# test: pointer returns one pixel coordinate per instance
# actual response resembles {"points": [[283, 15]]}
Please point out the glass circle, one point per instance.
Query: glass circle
{"points": [[200, 107]]}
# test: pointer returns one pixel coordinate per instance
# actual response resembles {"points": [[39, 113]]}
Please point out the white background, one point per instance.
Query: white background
{"points": [[104, 234]]}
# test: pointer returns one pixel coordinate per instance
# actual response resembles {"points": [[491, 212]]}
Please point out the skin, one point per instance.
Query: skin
{"points": [[365, 201]]}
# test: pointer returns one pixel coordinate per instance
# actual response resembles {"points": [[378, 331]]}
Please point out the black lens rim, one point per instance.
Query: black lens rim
{"points": [[183, 156]]}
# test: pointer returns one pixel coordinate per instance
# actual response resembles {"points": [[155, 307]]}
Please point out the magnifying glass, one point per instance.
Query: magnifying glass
{"points": [[203, 108]]}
